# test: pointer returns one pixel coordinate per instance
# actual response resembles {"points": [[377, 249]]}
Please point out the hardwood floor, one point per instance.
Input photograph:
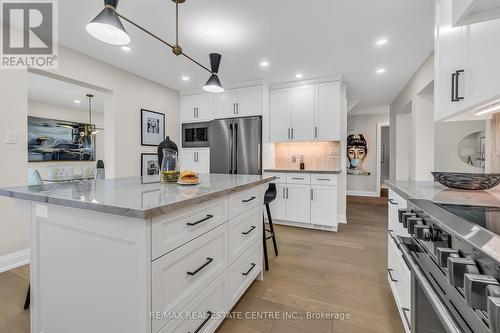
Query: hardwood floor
{"points": [[342, 274]]}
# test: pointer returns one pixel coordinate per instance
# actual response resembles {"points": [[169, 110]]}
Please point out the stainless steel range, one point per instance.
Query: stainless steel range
{"points": [[454, 258]]}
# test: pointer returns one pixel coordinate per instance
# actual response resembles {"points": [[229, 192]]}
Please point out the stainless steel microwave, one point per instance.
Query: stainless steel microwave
{"points": [[195, 135]]}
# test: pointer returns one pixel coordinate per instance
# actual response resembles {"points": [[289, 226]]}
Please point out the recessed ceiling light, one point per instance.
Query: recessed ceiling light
{"points": [[126, 48], [185, 78], [77, 101], [264, 63], [380, 71], [299, 75], [382, 42]]}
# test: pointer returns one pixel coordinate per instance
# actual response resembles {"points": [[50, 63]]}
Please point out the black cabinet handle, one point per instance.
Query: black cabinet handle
{"points": [[406, 317], [209, 261], [248, 200], [209, 316], [249, 231], [392, 202], [390, 275], [324, 179], [453, 99], [457, 76], [199, 221], [251, 268], [297, 178]]}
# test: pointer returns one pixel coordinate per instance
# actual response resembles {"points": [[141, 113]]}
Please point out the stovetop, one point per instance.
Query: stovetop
{"points": [[486, 217]]}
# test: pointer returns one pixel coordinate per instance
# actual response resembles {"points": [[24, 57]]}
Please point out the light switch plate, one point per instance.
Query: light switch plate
{"points": [[10, 137], [42, 211]]}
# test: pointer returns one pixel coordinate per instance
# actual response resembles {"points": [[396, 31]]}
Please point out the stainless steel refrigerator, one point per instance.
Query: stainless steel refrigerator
{"points": [[236, 146]]}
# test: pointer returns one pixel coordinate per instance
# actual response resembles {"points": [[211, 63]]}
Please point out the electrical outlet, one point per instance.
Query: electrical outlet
{"points": [[10, 137]]}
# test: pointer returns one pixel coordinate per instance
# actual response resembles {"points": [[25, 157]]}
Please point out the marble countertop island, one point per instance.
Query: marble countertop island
{"points": [[438, 193], [337, 171], [138, 197]]}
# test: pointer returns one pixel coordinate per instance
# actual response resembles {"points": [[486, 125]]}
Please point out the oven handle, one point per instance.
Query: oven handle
{"points": [[417, 273]]}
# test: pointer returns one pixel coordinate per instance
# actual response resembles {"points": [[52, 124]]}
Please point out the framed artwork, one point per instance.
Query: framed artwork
{"points": [[149, 164], [152, 128], [357, 151]]}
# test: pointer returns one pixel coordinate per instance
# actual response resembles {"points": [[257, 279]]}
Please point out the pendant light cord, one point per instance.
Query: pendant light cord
{"points": [[177, 22]]}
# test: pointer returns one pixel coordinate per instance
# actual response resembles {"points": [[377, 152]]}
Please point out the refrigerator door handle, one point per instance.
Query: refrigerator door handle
{"points": [[258, 158], [235, 144], [231, 146]]}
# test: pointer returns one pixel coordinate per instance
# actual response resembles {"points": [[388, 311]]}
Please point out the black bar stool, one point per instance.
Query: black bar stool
{"points": [[269, 197]]}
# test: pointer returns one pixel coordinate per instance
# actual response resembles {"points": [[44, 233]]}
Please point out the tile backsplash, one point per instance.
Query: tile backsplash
{"points": [[317, 155]]}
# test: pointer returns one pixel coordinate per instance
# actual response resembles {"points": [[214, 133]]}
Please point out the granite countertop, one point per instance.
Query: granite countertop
{"points": [[138, 197], [438, 193], [304, 171]]}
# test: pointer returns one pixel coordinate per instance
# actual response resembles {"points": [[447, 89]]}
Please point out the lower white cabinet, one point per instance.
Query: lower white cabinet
{"points": [[322, 210], [306, 199], [197, 160]]}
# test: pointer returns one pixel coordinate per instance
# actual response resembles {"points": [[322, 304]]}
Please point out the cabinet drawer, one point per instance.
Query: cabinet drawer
{"points": [[173, 230], [324, 179], [244, 230], [243, 272], [181, 275], [205, 312], [298, 178], [240, 202], [280, 177]]}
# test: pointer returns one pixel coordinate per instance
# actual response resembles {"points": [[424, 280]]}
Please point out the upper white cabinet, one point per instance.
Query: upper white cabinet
{"points": [[199, 107], [467, 75], [306, 113], [239, 102], [474, 11], [327, 111], [197, 160]]}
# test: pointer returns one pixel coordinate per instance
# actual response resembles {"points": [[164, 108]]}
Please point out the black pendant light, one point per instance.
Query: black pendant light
{"points": [[107, 26], [213, 84]]}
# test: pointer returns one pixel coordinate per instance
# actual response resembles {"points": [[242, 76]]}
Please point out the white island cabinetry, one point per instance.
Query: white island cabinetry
{"points": [[132, 256]]}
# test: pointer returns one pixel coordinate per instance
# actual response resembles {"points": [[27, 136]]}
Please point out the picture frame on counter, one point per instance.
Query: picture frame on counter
{"points": [[152, 127], [149, 165]]}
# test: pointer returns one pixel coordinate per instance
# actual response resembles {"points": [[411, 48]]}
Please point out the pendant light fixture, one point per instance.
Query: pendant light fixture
{"points": [[92, 128], [108, 28]]}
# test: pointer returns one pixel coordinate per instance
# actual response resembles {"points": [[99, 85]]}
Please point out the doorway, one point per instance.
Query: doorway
{"points": [[383, 156]]}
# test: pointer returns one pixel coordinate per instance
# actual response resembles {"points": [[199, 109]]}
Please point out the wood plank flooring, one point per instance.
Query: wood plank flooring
{"points": [[316, 272]]}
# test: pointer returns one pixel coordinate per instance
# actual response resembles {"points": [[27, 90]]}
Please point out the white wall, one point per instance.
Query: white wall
{"points": [[448, 136], [122, 150], [52, 111], [409, 97], [364, 121]]}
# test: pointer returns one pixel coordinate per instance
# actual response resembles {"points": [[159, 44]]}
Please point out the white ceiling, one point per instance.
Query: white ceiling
{"points": [[317, 38], [53, 91]]}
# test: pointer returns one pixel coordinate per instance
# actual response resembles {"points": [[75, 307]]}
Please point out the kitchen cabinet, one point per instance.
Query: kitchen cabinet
{"points": [[322, 210], [327, 112], [198, 107], [298, 206], [306, 113], [474, 11], [467, 76], [306, 200], [197, 160], [241, 102], [281, 115]]}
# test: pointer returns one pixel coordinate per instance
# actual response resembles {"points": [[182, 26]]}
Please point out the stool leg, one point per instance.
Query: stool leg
{"points": [[271, 226], [27, 301], [266, 259]]}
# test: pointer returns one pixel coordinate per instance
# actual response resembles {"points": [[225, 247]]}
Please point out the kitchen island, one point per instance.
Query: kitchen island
{"points": [[133, 255]]}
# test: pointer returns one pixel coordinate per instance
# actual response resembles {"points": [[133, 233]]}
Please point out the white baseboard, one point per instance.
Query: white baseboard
{"points": [[342, 219], [363, 194], [14, 260]]}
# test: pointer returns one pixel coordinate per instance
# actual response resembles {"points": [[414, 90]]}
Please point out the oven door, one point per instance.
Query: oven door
{"points": [[195, 135], [429, 312]]}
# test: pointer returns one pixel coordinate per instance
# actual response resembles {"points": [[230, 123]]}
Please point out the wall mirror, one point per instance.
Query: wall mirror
{"points": [[471, 149]]}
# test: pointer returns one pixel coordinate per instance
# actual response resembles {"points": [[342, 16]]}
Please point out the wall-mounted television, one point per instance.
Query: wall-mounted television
{"points": [[59, 140]]}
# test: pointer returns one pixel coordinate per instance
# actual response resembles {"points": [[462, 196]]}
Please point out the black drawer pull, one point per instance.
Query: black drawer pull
{"points": [[198, 222], [209, 316], [296, 178], [209, 261], [251, 268], [325, 179], [406, 317], [249, 231], [390, 275], [248, 200], [392, 202]]}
